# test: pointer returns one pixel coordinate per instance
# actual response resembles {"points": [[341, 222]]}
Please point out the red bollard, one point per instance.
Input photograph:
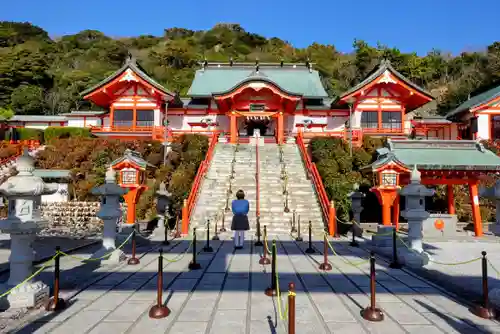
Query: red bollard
{"points": [[484, 311], [291, 308], [371, 313], [56, 303], [326, 266], [133, 260], [265, 260], [159, 310]]}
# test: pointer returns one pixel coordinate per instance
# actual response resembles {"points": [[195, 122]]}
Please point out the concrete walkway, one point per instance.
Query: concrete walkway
{"points": [[227, 296]]}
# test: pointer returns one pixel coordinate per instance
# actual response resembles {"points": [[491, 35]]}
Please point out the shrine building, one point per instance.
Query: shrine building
{"points": [[236, 99]]}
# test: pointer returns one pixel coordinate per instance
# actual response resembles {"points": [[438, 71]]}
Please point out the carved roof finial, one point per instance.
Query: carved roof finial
{"points": [[415, 176]]}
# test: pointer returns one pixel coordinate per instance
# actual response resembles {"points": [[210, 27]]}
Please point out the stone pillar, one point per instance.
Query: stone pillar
{"points": [[357, 207], [110, 212], [493, 193], [162, 209], [415, 214], [24, 192]]}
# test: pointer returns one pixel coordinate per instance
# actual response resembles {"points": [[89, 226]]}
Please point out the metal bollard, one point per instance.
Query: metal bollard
{"points": [[299, 237], [216, 235], [208, 248], [177, 233], [294, 214], [193, 265], [287, 209], [273, 289], [159, 310], [310, 249], [484, 311], [133, 260], [395, 261], [353, 242], [291, 308], [55, 303], [223, 229], [371, 313], [264, 260], [165, 240], [258, 242], [326, 266]]}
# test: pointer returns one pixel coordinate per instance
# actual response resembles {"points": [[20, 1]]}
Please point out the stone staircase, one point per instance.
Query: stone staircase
{"points": [[212, 197], [301, 196]]}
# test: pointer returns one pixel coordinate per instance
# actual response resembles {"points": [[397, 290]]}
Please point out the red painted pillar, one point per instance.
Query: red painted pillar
{"points": [[280, 128], [451, 199], [233, 128], [476, 213], [386, 214]]}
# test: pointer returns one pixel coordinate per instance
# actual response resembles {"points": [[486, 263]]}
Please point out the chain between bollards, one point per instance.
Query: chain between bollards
{"points": [[264, 260], [159, 310], [326, 266], [208, 248], [371, 313], [299, 236], [223, 229], [310, 249], [193, 265], [291, 308], [56, 303], [258, 242], [484, 311], [133, 260], [273, 289], [395, 261]]}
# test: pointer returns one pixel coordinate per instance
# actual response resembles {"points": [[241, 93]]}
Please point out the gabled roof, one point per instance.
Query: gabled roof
{"points": [[130, 63], [475, 101], [134, 157], [293, 79], [437, 155], [385, 65]]}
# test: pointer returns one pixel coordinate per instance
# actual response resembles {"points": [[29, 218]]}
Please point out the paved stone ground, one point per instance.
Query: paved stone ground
{"points": [[463, 278], [44, 247], [227, 296]]}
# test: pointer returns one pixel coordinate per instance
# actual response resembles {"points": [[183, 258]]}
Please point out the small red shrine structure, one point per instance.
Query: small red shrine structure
{"points": [[132, 169], [440, 162]]}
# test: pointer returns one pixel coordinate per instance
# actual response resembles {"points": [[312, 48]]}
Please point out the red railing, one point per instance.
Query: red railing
{"points": [[315, 178], [257, 183], [29, 144], [190, 202]]}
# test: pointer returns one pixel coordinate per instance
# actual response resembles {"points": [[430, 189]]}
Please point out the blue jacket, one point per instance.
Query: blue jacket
{"points": [[240, 207]]}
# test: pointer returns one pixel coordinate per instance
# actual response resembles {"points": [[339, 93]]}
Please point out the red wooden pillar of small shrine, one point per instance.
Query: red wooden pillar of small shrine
{"points": [[132, 170], [476, 213], [233, 128], [451, 199]]}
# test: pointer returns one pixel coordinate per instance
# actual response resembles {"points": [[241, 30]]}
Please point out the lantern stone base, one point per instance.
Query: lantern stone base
{"points": [[27, 295], [415, 260]]}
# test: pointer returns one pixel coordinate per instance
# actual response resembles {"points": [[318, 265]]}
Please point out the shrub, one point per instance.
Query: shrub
{"points": [[65, 132], [27, 134]]}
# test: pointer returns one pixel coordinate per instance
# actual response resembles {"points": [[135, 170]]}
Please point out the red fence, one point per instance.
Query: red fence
{"points": [[195, 188], [318, 184]]}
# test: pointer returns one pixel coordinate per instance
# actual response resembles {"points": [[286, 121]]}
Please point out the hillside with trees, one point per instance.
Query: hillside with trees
{"points": [[41, 75]]}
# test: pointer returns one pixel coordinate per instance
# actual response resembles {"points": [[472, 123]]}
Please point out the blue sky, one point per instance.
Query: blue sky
{"points": [[418, 25]]}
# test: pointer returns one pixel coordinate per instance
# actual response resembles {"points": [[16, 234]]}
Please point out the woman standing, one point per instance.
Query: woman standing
{"points": [[240, 224]]}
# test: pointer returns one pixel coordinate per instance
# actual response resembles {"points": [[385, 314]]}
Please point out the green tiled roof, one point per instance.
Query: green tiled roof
{"points": [[135, 157], [294, 79], [437, 155], [475, 101]]}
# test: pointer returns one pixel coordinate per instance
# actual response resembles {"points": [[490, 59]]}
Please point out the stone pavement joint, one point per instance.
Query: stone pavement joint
{"points": [[227, 296]]}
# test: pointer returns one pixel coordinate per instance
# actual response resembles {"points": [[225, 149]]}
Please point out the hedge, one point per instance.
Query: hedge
{"points": [[65, 132]]}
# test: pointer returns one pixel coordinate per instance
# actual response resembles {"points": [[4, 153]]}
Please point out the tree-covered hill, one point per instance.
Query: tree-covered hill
{"points": [[40, 75]]}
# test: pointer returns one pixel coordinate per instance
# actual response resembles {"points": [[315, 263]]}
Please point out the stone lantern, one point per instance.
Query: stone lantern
{"points": [[357, 207], [24, 192], [110, 212], [163, 202], [493, 193], [415, 194]]}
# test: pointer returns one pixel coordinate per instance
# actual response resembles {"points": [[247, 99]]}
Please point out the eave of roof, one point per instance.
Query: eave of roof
{"points": [[385, 65], [130, 63], [475, 101], [37, 118], [52, 173]]}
